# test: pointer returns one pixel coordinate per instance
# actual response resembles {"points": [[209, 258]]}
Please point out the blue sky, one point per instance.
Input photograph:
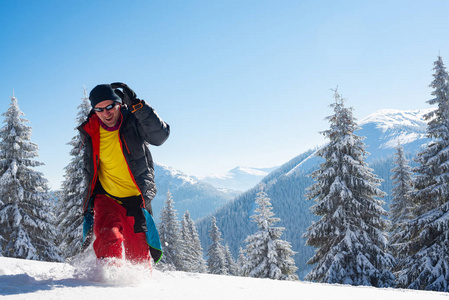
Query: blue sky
{"points": [[240, 82]]}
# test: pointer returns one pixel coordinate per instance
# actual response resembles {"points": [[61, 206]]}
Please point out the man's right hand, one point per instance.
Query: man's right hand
{"points": [[128, 96]]}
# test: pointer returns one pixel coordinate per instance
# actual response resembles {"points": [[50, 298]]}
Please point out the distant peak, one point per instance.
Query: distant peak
{"points": [[249, 170], [387, 119], [385, 115]]}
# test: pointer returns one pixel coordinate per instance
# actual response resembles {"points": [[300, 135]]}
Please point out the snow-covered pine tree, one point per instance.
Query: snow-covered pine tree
{"points": [[170, 235], [241, 261], [267, 256], [427, 264], [26, 213], [401, 207], [230, 262], [350, 236], [70, 205], [216, 252], [193, 252]]}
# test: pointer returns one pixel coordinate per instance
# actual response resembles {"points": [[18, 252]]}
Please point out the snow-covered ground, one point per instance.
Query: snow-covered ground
{"points": [[25, 279]]}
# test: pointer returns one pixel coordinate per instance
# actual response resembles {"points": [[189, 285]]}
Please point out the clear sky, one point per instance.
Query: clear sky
{"points": [[241, 83]]}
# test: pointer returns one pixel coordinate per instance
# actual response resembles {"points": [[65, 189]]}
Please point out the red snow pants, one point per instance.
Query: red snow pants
{"points": [[112, 227]]}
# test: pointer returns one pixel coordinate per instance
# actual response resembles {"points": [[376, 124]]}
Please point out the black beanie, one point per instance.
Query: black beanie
{"points": [[103, 92]]}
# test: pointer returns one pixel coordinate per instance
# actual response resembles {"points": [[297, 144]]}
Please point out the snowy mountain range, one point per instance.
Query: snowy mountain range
{"points": [[287, 185], [238, 179], [202, 196], [198, 197]]}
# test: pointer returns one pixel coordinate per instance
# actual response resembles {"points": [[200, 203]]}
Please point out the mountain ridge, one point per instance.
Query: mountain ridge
{"points": [[188, 193], [239, 179]]}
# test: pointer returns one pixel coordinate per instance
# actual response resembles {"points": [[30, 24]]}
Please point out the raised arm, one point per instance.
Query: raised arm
{"points": [[153, 130]]}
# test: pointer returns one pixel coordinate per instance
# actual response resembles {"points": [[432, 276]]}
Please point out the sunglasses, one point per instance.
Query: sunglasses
{"points": [[109, 107]]}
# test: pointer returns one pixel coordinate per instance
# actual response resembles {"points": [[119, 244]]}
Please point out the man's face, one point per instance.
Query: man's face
{"points": [[108, 117]]}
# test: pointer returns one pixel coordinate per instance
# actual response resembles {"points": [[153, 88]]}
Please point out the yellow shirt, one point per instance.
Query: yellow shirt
{"points": [[114, 173]]}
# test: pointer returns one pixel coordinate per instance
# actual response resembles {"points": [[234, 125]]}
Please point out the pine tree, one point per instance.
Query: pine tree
{"points": [[70, 206], [170, 235], [427, 263], [193, 252], [267, 256], [216, 251], [241, 261], [26, 212], [350, 239], [401, 207], [230, 262]]}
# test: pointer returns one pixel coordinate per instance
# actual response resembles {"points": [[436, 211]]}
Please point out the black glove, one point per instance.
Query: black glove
{"points": [[128, 96]]}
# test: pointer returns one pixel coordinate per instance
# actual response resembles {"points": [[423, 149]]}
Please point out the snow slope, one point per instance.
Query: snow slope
{"points": [[25, 279], [385, 128]]}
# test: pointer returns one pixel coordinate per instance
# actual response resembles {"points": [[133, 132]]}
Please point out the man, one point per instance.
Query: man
{"points": [[119, 173]]}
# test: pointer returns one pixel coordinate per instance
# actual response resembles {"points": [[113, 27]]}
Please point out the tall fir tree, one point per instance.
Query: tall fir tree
{"points": [[241, 261], [427, 263], [70, 205], [216, 251], [231, 265], [350, 236], [401, 207], [267, 256], [170, 235], [193, 252], [26, 212]]}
